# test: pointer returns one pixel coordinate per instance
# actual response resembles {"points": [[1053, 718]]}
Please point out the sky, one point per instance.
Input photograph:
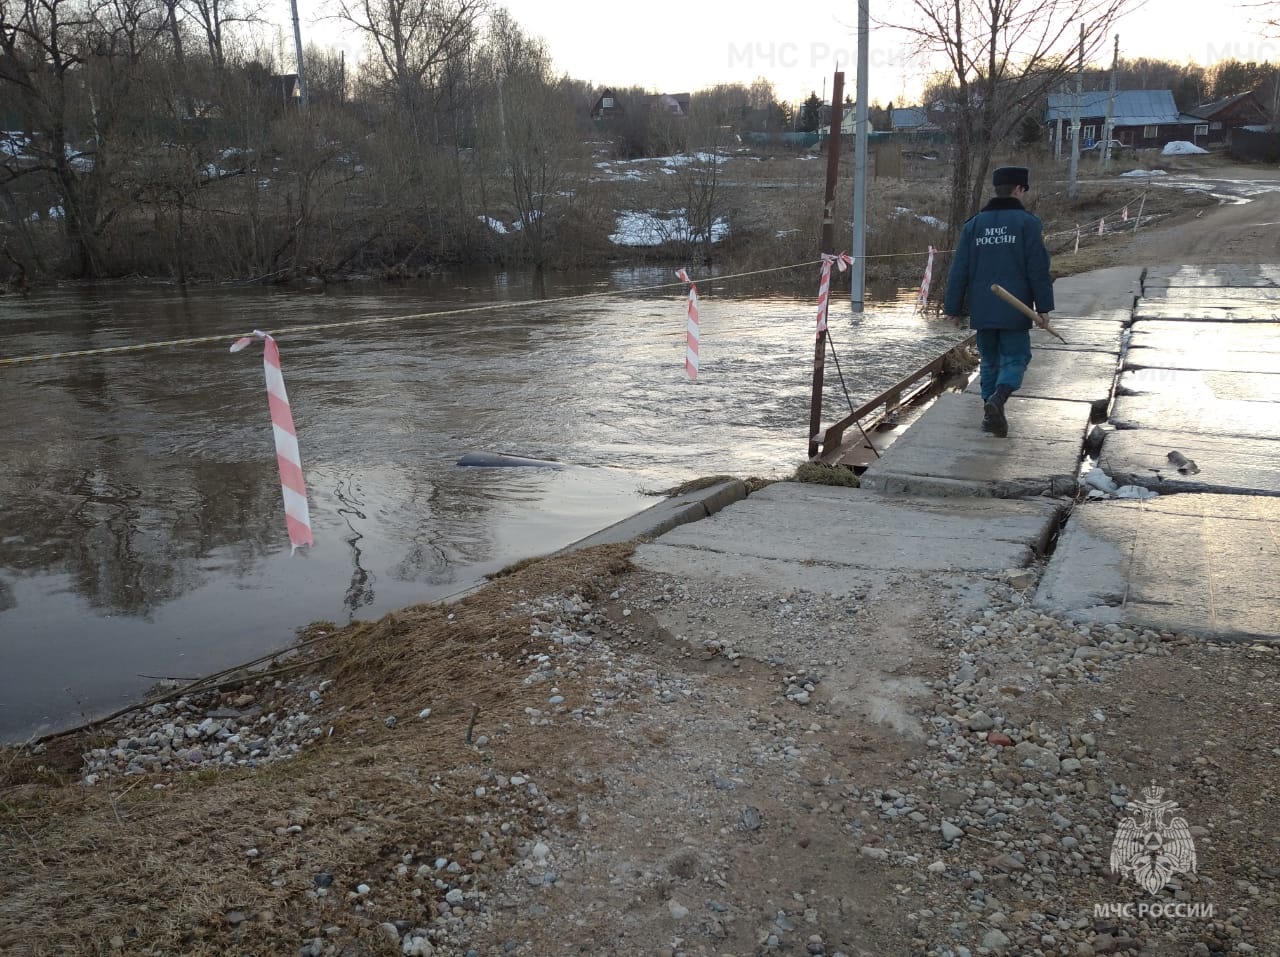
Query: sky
{"points": [[673, 46]]}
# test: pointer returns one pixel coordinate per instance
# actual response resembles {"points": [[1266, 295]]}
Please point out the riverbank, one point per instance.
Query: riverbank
{"points": [[545, 769], [593, 756], [765, 207]]}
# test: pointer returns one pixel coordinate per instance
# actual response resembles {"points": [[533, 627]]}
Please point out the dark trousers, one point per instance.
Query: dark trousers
{"points": [[1004, 355]]}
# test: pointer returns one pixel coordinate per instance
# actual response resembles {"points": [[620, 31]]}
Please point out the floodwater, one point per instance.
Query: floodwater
{"points": [[142, 533]]}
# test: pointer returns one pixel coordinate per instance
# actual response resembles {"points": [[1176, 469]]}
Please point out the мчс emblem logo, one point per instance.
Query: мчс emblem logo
{"points": [[1154, 844]]}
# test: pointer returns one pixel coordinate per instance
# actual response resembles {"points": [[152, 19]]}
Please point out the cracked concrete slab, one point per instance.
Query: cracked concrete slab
{"points": [[1220, 274], [1220, 360], [1226, 347], [1082, 335], [1077, 376], [829, 538], [1244, 312], [1225, 464], [1203, 564], [1242, 404], [1101, 293], [946, 453]]}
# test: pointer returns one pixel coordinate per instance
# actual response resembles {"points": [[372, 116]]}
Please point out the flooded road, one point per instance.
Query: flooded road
{"points": [[142, 533]]}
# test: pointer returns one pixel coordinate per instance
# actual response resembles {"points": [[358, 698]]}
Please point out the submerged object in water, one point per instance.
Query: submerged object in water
{"points": [[497, 460]]}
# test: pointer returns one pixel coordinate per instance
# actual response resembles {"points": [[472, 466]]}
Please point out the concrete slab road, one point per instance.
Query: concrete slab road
{"points": [[1202, 564]]}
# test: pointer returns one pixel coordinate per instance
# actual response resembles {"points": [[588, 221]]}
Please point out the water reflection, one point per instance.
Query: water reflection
{"points": [[143, 529]]}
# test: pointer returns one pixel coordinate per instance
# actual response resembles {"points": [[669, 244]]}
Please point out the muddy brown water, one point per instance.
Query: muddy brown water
{"points": [[142, 534]]}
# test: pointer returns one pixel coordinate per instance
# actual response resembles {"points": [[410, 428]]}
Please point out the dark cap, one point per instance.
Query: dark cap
{"points": [[1012, 176]]}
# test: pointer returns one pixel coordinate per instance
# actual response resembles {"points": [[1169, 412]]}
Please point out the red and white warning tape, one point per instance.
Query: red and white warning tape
{"points": [[922, 297], [842, 260], [297, 515], [692, 329]]}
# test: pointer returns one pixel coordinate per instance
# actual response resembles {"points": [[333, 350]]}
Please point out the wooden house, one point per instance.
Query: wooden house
{"points": [[609, 106], [1219, 118], [1140, 119]]}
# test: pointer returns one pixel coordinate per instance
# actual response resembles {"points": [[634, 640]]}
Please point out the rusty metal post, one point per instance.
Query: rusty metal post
{"points": [[828, 242]]}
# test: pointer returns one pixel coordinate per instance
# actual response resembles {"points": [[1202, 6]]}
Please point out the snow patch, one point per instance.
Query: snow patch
{"points": [[650, 228], [1182, 148], [933, 221]]}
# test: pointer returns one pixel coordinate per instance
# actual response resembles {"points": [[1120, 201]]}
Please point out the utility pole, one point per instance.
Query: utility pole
{"points": [[1111, 108], [857, 281], [828, 244], [1075, 120], [297, 47], [828, 240]]}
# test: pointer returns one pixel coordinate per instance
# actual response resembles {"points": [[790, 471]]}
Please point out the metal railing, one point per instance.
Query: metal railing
{"points": [[925, 382]]}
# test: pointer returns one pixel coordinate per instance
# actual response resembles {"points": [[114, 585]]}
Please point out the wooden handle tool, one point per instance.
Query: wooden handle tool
{"points": [[1026, 310]]}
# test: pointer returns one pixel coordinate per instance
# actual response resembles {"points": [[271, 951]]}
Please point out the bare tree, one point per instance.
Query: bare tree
{"points": [[77, 67], [216, 20], [533, 120], [1003, 56], [409, 41]]}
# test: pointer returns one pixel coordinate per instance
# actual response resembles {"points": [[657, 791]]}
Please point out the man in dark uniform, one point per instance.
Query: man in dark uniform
{"points": [[1002, 244]]}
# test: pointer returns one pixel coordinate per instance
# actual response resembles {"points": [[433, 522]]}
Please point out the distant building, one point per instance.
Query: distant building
{"points": [[1140, 119], [609, 106], [909, 119], [288, 87], [1242, 111]]}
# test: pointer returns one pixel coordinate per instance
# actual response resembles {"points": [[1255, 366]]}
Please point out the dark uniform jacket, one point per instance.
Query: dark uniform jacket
{"points": [[1002, 244]]}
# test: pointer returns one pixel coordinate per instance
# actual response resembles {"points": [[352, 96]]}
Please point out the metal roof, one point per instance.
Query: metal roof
{"points": [[909, 116], [1206, 110], [1132, 107]]}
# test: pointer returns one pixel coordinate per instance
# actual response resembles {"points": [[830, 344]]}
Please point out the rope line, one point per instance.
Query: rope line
{"points": [[467, 310]]}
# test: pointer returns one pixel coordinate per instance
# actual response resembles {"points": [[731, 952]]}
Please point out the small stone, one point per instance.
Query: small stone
{"points": [[996, 941], [678, 910], [1000, 739], [950, 832], [981, 721], [1020, 578]]}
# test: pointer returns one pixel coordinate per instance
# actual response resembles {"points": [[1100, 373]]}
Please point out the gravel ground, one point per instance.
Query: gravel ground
{"points": [[926, 766]]}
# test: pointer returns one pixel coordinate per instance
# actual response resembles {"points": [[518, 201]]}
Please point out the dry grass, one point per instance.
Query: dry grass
{"points": [[774, 203], [165, 870]]}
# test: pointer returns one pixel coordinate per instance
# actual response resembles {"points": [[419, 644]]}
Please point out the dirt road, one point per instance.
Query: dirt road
{"points": [[1231, 233]]}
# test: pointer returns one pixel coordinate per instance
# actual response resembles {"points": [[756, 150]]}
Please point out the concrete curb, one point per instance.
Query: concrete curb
{"points": [[666, 515]]}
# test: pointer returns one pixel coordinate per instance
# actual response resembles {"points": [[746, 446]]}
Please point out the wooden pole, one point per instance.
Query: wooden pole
{"points": [[827, 240]]}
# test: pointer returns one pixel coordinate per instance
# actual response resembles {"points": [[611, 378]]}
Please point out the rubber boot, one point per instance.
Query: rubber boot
{"points": [[994, 412]]}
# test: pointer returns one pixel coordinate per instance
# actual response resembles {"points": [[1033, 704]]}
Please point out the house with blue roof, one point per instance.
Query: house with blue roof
{"points": [[1140, 119]]}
